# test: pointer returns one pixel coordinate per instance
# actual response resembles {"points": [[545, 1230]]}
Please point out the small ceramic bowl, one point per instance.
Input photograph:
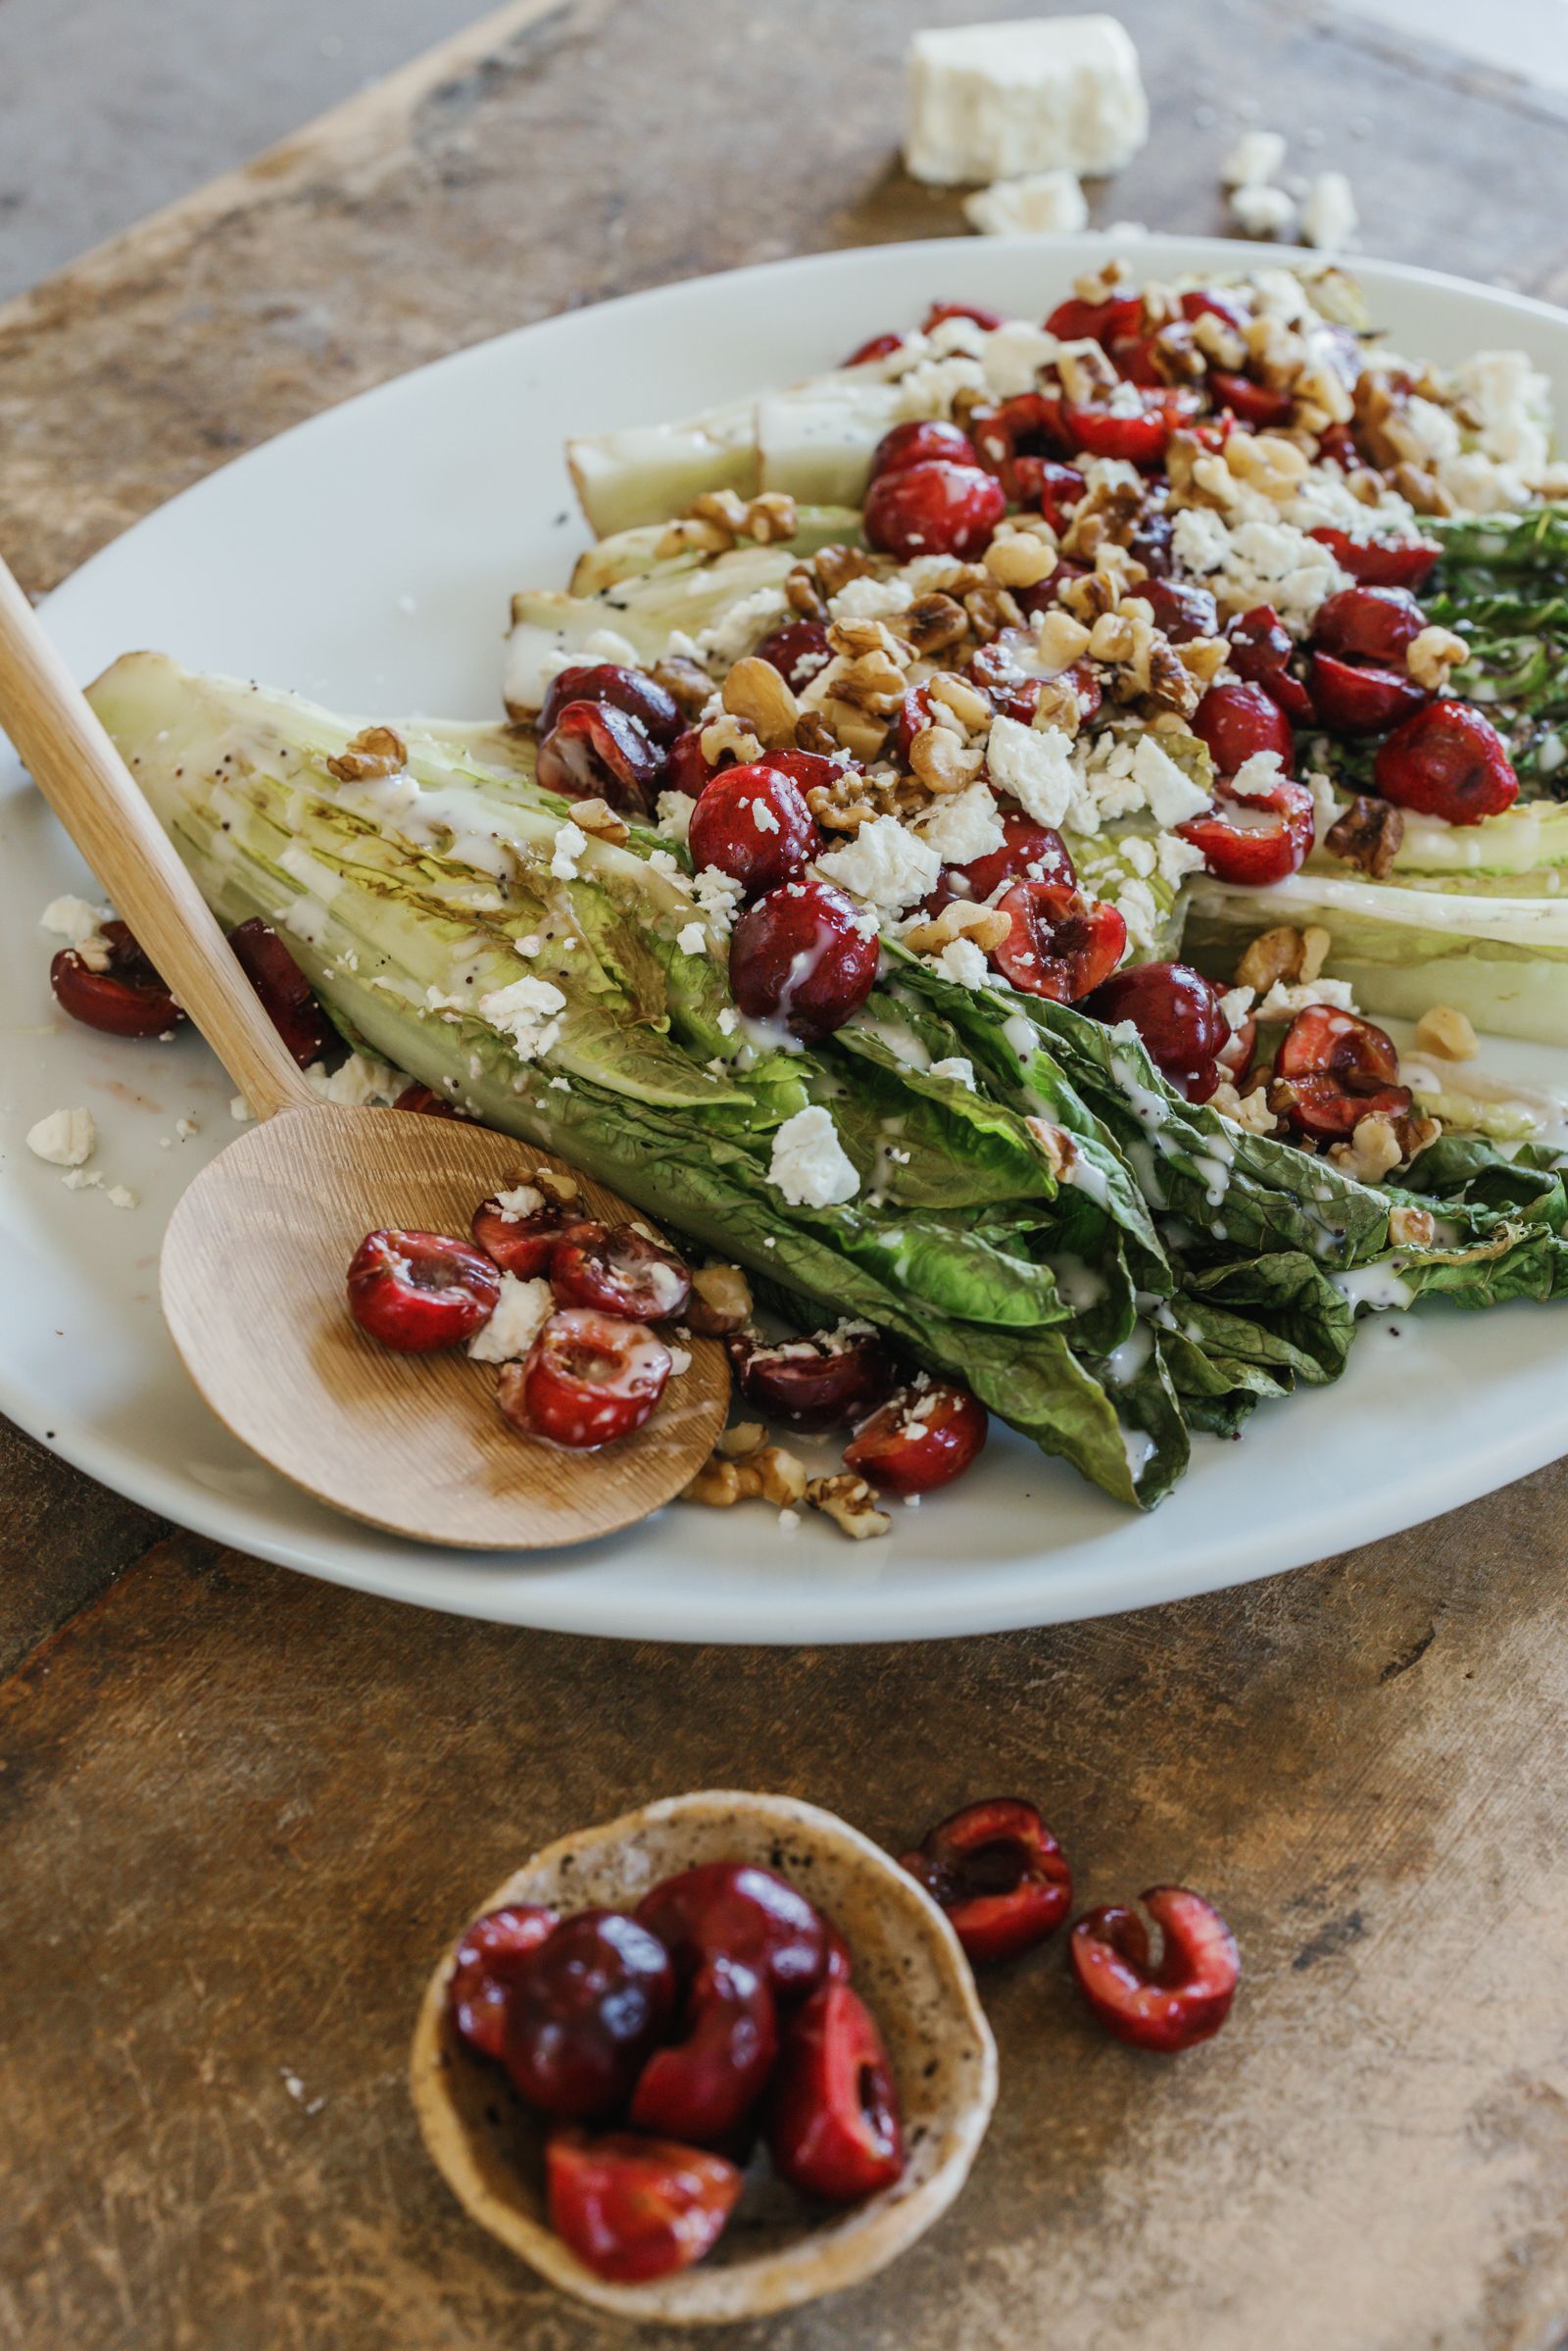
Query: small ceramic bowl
{"points": [[776, 2252]]}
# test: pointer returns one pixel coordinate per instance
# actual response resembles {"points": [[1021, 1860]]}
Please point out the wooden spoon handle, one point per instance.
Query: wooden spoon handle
{"points": [[61, 742]]}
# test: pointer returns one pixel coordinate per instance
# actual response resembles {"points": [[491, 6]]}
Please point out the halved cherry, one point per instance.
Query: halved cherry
{"points": [[1059, 489], [620, 688], [821, 1383], [428, 1103], [633, 2209], [129, 1000], [1078, 321], [1332, 1070], [934, 508], [583, 2010], [999, 1874], [489, 1959], [595, 752], [1028, 425], [920, 1439], [1380, 562], [1200, 301], [287, 997], [588, 1380], [1237, 721], [754, 824], [913, 443], [1354, 697], [1257, 839], [1175, 2003], [686, 769], [1176, 1012], [1447, 760], [1151, 541], [1182, 611], [878, 347], [1261, 653], [738, 1910], [1061, 944], [1336, 446], [796, 650], [976, 312], [1000, 671], [834, 2130], [701, 2087], [1034, 852], [417, 1290], [1236, 1054], [1253, 404], [1139, 438], [801, 954], [520, 1242], [1369, 624], [617, 1270]]}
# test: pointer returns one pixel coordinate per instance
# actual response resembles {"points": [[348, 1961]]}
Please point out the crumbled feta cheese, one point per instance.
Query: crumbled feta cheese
{"points": [[525, 1011], [359, 1080], [673, 814], [80, 924], [522, 1313], [240, 1111], [1255, 160], [1262, 211], [1283, 1002], [1176, 858], [1256, 777], [931, 388], [961, 960], [720, 897], [809, 1165], [730, 1021], [1329, 217], [885, 864], [82, 1179], [991, 101], [870, 599], [1135, 904], [1040, 204], [1014, 356], [963, 825], [121, 1196], [1236, 1005], [1257, 563], [693, 940], [763, 817], [522, 1199], [1169, 793], [957, 1068], [1139, 853], [65, 1138], [745, 622], [185, 1128], [571, 841], [1035, 764]]}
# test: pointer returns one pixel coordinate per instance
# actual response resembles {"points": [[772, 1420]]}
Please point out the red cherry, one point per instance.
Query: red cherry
{"points": [[1447, 760], [1336, 446], [1201, 300], [880, 347], [701, 2088], [1236, 1054], [800, 955], [1249, 402], [999, 1874], [685, 770], [595, 752], [586, 2007], [415, 1292], [796, 650], [1256, 838], [1171, 2006], [286, 994], [1238, 722], [754, 824], [489, 1959], [1138, 439], [737, 1910], [997, 669], [1176, 1012], [617, 1271], [424, 1101], [1078, 321], [1180, 610], [129, 1000], [519, 1244], [1353, 698], [1369, 624], [1061, 944], [1029, 426], [934, 508], [923, 1438], [834, 2130], [1261, 653], [821, 1383], [634, 2209], [1060, 488], [589, 1379], [974, 312], [912, 444], [1333, 1069], [1380, 562], [1034, 852], [1134, 358], [611, 684]]}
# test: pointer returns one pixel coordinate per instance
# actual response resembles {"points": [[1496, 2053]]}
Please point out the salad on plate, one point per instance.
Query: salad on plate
{"points": [[955, 850]]}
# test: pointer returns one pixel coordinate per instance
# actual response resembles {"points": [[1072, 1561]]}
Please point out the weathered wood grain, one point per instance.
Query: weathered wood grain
{"points": [[242, 1811]]}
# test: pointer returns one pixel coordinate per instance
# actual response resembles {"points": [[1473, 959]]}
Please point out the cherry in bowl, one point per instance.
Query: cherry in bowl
{"points": [[636, 2209], [585, 2009]]}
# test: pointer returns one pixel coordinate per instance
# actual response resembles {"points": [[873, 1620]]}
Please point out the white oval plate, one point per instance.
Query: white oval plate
{"points": [[366, 558]]}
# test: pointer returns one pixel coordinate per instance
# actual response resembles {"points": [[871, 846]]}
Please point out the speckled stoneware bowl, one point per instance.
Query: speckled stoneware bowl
{"points": [[776, 2252]]}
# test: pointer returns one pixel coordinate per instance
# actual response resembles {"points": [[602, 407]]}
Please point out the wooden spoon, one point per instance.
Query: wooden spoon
{"points": [[256, 1252]]}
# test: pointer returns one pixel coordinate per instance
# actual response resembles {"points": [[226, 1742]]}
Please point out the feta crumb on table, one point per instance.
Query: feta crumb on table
{"points": [[1255, 160], [1262, 211], [64, 1138], [1329, 218], [1039, 204]]}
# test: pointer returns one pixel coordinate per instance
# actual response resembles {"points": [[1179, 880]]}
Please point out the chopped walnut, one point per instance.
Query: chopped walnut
{"points": [[1368, 835], [1061, 639], [685, 682], [1423, 490], [835, 566], [1413, 1228], [961, 700], [1202, 657], [1372, 1152], [802, 595], [1219, 341], [1430, 656], [769, 1472], [859, 732], [760, 697], [814, 733], [374, 751], [1059, 706], [873, 682], [933, 624], [1266, 462], [725, 735], [1086, 371], [597, 818], [1283, 954], [554, 1183], [942, 761], [1443, 1030], [1249, 1110], [719, 519], [856, 640], [959, 918], [742, 1438], [1020, 561], [850, 1505], [720, 1301], [991, 611], [1090, 598]]}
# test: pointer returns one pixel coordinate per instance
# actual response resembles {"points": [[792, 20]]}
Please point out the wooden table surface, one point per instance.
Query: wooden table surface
{"points": [[243, 1809]]}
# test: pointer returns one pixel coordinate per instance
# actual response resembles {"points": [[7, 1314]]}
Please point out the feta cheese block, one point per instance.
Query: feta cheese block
{"points": [[991, 102]]}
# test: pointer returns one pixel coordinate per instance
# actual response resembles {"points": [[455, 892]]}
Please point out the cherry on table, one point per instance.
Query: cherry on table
{"points": [[1238, 722], [800, 955], [754, 824], [834, 2130], [634, 2209], [1076, 320], [1253, 404], [934, 508], [585, 2008], [1176, 1012], [922, 1440], [1061, 943], [999, 1874], [700, 2087], [1137, 439], [878, 347], [1059, 489], [814, 1384], [129, 1000], [588, 1380], [617, 1270], [417, 1291], [1162, 2006], [1182, 611], [596, 751], [1447, 760], [521, 1245], [490, 1957], [976, 312], [615, 686]]}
